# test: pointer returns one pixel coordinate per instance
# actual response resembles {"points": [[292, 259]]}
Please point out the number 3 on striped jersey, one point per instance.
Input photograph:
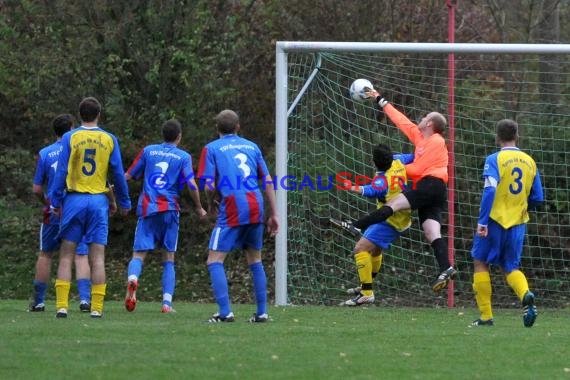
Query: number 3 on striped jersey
{"points": [[242, 158]]}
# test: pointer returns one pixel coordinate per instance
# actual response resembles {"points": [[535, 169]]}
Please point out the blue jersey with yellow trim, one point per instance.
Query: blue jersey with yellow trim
{"points": [[86, 156], [518, 182]]}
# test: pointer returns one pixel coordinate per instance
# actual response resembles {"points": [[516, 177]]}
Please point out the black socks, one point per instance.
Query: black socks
{"points": [[374, 217], [439, 246]]}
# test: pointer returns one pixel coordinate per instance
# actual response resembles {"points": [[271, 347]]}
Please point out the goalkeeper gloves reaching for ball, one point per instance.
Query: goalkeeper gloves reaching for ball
{"points": [[379, 99]]}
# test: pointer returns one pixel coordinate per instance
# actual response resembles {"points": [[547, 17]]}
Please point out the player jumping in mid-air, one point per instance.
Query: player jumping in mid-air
{"points": [[428, 193], [389, 181]]}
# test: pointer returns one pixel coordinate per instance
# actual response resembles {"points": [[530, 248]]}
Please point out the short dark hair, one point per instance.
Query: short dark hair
{"points": [[62, 124], [89, 109], [227, 122], [171, 129], [382, 157], [507, 130]]}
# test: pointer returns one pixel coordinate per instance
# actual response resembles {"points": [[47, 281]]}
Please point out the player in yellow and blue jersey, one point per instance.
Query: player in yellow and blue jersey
{"points": [[512, 187], [165, 168], [389, 181], [79, 194], [49, 240]]}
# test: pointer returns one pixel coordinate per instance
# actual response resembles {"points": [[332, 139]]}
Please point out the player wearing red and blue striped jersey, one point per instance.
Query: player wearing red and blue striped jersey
{"points": [[231, 167], [164, 168], [49, 229], [80, 190], [512, 186]]}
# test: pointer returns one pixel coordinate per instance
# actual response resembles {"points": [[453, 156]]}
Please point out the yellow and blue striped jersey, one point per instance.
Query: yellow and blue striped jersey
{"points": [[517, 182], [86, 156]]}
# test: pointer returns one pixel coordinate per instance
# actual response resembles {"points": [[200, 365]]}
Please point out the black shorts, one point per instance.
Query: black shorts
{"points": [[429, 197]]}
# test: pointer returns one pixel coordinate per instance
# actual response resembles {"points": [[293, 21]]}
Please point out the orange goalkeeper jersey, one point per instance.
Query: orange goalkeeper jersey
{"points": [[430, 156]]}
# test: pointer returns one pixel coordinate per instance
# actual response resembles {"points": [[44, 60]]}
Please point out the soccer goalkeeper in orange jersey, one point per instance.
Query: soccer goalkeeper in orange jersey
{"points": [[428, 193]]}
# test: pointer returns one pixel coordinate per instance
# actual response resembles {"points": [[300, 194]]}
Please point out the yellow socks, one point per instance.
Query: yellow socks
{"points": [[376, 264], [62, 294], [364, 267], [517, 281], [483, 292], [97, 296], [482, 287]]}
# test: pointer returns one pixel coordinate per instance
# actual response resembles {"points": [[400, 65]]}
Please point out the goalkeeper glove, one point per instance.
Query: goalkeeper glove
{"points": [[381, 101]]}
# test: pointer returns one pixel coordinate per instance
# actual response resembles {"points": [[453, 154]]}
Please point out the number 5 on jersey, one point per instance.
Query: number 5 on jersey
{"points": [[89, 165]]}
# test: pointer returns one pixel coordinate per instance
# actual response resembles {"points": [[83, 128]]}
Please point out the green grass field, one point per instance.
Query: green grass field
{"points": [[298, 343]]}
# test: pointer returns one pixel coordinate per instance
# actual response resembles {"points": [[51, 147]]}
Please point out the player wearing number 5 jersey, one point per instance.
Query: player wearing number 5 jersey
{"points": [[232, 166], [79, 189], [165, 169], [512, 186]]}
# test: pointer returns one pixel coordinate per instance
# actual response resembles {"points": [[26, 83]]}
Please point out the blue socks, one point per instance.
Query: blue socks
{"points": [[259, 286], [39, 292], [220, 287], [168, 282], [168, 277], [84, 289], [135, 267]]}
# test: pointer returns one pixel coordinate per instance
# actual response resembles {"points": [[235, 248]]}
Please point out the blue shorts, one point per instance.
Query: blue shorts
{"points": [[156, 231], [226, 239], [85, 216], [50, 241], [500, 247], [381, 234]]}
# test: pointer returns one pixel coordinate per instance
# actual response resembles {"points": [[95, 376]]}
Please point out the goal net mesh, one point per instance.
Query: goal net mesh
{"points": [[329, 133]]}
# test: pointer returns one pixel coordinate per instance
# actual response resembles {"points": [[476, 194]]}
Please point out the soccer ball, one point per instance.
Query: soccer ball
{"points": [[358, 89]]}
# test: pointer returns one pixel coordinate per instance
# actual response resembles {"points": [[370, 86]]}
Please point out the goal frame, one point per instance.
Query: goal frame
{"points": [[282, 111]]}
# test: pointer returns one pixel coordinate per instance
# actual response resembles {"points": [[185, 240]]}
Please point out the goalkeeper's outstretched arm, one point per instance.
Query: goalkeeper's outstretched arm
{"points": [[408, 127]]}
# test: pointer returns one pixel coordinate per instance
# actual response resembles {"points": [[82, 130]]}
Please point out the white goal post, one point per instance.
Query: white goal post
{"points": [[285, 103]]}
